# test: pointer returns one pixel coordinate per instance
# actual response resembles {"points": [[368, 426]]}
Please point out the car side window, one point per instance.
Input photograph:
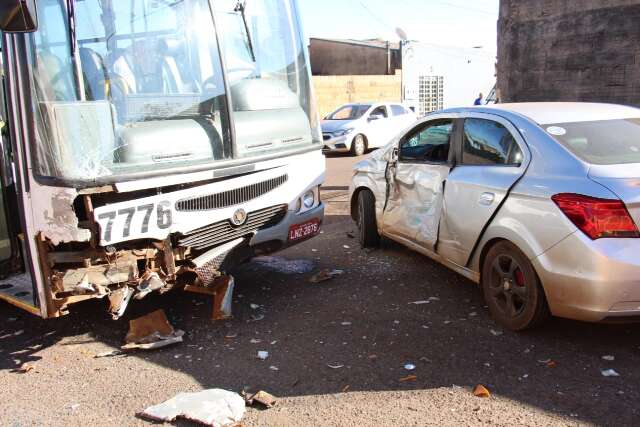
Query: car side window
{"points": [[429, 142], [486, 142], [380, 111], [398, 110]]}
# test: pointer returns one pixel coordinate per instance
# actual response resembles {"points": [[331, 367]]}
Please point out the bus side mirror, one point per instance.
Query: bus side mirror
{"points": [[18, 16]]}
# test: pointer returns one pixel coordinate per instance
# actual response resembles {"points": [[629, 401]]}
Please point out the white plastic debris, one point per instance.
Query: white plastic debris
{"points": [[409, 366], [346, 323], [254, 306], [420, 302], [608, 358], [495, 333], [263, 355], [335, 366], [215, 408], [274, 368], [255, 341], [610, 373]]}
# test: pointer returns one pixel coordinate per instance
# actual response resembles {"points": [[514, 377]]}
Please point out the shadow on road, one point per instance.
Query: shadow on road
{"points": [[363, 323]]}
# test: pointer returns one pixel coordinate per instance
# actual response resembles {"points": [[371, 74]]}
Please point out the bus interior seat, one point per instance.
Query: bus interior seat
{"points": [[61, 88], [95, 74], [174, 80]]}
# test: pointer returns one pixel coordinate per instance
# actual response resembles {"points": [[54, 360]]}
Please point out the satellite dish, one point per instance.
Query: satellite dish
{"points": [[401, 33]]}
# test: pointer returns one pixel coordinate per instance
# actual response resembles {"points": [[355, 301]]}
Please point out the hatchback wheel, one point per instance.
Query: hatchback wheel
{"points": [[512, 289], [358, 145], [367, 226]]}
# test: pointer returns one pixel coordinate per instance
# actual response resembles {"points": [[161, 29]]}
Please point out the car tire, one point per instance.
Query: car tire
{"points": [[512, 289], [358, 145], [367, 226]]}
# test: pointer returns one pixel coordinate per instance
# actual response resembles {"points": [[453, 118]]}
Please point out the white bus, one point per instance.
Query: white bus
{"points": [[150, 145]]}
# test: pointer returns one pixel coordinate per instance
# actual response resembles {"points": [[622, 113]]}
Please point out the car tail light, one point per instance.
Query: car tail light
{"points": [[597, 218]]}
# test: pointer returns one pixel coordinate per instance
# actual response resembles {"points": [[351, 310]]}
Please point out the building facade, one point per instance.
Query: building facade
{"points": [[569, 50], [330, 57]]}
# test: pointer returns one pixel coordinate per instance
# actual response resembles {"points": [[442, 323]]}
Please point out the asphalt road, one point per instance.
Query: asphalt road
{"points": [[362, 323]]}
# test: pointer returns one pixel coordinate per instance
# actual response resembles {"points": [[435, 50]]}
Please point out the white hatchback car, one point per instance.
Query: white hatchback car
{"points": [[357, 127]]}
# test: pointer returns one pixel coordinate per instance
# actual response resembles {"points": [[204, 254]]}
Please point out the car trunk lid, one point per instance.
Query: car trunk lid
{"points": [[624, 181]]}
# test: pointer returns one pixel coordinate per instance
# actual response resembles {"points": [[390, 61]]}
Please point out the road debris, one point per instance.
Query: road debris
{"points": [[481, 391], [274, 368], [335, 366], [324, 275], [262, 397], [263, 355], [420, 302], [221, 289], [151, 332], [408, 378], [24, 368], [255, 341], [609, 373], [119, 300], [608, 358], [254, 306], [346, 388], [495, 333], [346, 323], [351, 235], [214, 407], [110, 353], [409, 366], [256, 318], [551, 364], [346, 246]]}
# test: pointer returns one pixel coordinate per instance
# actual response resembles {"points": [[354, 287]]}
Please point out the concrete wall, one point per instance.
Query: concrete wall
{"points": [[333, 91], [332, 58], [569, 50]]}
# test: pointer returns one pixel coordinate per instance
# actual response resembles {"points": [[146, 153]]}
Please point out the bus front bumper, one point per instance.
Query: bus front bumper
{"points": [[293, 229]]}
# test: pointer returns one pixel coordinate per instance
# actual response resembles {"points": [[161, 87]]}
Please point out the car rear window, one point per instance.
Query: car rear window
{"points": [[603, 142]]}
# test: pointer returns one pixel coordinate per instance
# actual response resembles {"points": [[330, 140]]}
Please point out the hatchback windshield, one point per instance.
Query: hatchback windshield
{"points": [[349, 112], [133, 86], [604, 142]]}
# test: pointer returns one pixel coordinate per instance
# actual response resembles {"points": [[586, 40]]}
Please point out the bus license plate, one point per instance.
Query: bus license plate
{"points": [[304, 230]]}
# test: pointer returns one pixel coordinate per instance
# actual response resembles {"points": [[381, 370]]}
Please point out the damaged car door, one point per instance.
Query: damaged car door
{"points": [[415, 182], [492, 158]]}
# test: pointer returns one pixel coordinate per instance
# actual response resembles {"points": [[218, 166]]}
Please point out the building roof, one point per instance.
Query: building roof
{"points": [[568, 112], [376, 43]]}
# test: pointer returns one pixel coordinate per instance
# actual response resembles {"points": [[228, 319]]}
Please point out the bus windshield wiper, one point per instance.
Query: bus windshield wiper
{"points": [[241, 7]]}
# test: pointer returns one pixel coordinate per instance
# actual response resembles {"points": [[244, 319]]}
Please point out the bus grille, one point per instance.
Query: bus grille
{"points": [[231, 197], [223, 231]]}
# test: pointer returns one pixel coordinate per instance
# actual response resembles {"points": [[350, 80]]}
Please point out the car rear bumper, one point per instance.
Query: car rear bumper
{"points": [[592, 280]]}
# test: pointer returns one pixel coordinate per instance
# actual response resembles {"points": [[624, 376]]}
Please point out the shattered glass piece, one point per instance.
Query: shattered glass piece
{"points": [[214, 407], [283, 265]]}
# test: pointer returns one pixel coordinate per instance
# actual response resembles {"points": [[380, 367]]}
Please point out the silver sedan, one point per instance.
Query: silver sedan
{"points": [[539, 203]]}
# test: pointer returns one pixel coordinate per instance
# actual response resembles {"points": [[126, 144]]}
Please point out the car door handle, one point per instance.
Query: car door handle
{"points": [[486, 199]]}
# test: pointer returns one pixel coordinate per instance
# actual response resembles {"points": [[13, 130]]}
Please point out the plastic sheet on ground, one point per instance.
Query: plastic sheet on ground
{"points": [[214, 407]]}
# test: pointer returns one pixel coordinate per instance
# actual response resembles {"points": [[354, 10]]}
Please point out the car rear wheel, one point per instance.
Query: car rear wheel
{"points": [[512, 289], [358, 145], [367, 226]]}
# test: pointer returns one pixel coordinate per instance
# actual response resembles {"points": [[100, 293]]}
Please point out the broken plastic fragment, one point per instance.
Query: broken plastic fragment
{"points": [[608, 358], [481, 391], [420, 302], [335, 366], [408, 378], [409, 366], [215, 408], [324, 275], [263, 355], [495, 333], [610, 373]]}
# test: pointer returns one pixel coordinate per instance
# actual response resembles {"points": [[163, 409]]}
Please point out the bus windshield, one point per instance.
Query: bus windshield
{"points": [[137, 86]]}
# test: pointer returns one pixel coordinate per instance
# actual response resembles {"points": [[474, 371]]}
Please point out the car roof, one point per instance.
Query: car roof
{"points": [[564, 112]]}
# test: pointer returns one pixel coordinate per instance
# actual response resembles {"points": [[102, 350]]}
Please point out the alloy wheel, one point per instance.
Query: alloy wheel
{"points": [[507, 286]]}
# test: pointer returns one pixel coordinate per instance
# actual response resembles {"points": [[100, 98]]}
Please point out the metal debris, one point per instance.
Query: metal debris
{"points": [[119, 300], [262, 397], [111, 353], [221, 289], [151, 332], [215, 408], [149, 282]]}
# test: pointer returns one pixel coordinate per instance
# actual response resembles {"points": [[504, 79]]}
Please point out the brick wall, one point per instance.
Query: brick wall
{"points": [[333, 91], [569, 50]]}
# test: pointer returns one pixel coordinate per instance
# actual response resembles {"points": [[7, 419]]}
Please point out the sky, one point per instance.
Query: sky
{"points": [[461, 23]]}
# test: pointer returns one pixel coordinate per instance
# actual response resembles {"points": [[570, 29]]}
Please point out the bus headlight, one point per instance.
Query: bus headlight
{"points": [[309, 199]]}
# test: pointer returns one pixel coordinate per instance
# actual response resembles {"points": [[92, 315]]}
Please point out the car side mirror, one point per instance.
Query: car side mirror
{"points": [[18, 16], [375, 117]]}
